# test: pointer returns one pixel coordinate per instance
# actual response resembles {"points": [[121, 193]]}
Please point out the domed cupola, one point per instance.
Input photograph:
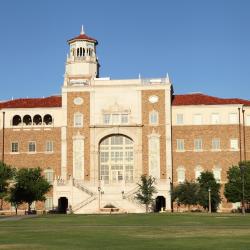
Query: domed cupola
{"points": [[82, 63]]}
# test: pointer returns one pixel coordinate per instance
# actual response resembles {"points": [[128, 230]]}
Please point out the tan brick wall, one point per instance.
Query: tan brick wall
{"points": [[207, 159], [147, 129], [29, 160], [85, 130], [40, 158]]}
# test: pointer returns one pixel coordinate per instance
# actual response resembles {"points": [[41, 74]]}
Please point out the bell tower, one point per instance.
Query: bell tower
{"points": [[82, 63]]}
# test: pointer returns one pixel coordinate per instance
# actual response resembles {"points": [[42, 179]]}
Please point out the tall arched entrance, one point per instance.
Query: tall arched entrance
{"points": [[116, 159]]}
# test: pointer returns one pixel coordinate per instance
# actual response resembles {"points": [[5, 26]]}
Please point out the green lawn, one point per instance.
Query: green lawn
{"points": [[152, 231]]}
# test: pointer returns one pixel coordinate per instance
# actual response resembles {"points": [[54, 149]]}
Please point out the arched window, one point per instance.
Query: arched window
{"points": [[16, 121], [78, 54], [80, 51], [37, 120], [217, 173], [116, 159], [181, 174], [83, 52], [198, 170], [153, 118], [90, 52], [47, 119], [49, 175], [27, 120]]}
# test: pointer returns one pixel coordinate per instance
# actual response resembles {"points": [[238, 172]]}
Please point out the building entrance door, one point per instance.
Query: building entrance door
{"points": [[116, 159], [116, 175]]}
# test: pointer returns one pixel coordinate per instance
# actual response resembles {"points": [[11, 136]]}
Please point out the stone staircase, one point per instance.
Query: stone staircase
{"points": [[92, 196]]}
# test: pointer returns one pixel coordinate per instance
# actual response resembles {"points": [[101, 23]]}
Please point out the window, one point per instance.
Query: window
{"points": [[198, 144], [49, 203], [49, 175], [197, 119], [180, 144], [215, 144], [153, 117], [16, 121], [115, 118], [198, 170], [248, 120], [78, 120], [49, 146], [37, 120], [14, 147], [217, 173], [116, 159], [32, 147], [47, 119], [179, 119], [106, 118], [124, 118], [233, 118], [215, 118], [181, 174], [234, 144]]}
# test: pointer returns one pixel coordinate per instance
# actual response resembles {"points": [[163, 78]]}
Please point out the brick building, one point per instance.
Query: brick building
{"points": [[98, 137]]}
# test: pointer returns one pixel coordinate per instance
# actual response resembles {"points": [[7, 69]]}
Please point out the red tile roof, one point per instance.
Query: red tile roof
{"points": [[83, 37], [48, 102], [187, 99], [201, 99]]}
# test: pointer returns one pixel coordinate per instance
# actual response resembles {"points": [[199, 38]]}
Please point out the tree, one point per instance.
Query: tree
{"points": [[146, 191], [14, 197], [206, 181], [233, 187], [186, 193], [30, 186], [6, 174]]}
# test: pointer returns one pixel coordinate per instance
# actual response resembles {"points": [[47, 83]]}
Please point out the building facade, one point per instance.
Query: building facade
{"points": [[95, 140]]}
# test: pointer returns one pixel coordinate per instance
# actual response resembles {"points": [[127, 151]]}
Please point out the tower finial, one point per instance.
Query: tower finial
{"points": [[82, 31]]}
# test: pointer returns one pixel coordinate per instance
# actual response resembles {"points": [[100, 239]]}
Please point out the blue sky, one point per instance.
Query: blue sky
{"points": [[203, 45]]}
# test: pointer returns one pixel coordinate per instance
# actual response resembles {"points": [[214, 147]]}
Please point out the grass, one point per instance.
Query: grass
{"points": [[128, 231]]}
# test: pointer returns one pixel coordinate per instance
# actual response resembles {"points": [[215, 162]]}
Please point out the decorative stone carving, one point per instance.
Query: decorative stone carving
{"points": [[78, 156], [154, 154], [153, 99], [78, 101]]}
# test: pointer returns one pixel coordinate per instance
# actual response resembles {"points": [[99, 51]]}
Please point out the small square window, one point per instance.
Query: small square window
{"points": [[115, 118], [153, 118], [233, 118], [180, 144], [32, 146], [14, 147], [248, 120], [198, 144], [197, 119], [106, 118], [124, 118], [179, 119], [215, 118], [49, 146], [216, 144], [234, 144], [78, 120]]}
